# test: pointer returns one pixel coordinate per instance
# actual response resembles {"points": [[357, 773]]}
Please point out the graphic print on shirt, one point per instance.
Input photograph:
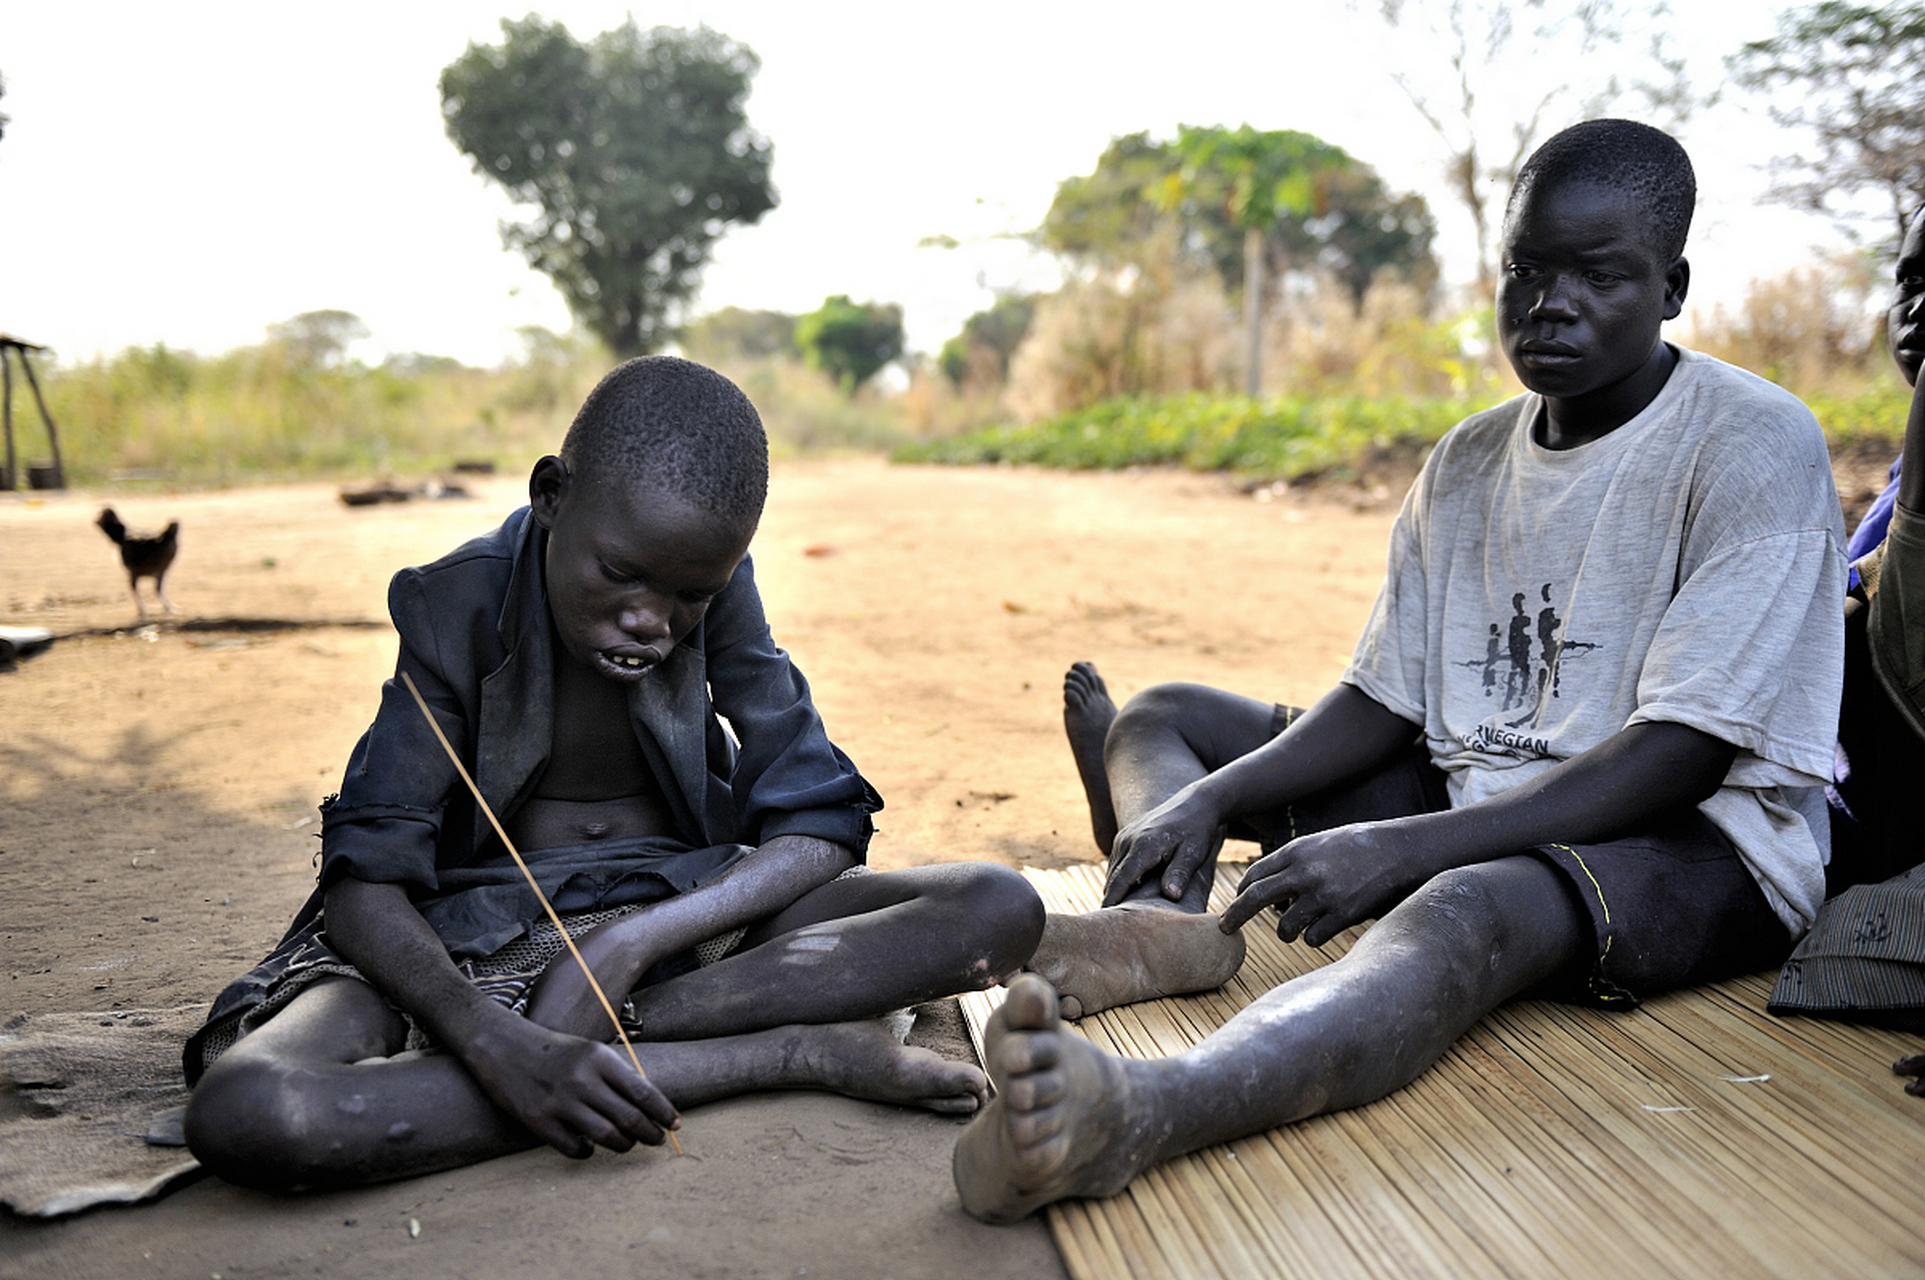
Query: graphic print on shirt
{"points": [[1525, 674]]}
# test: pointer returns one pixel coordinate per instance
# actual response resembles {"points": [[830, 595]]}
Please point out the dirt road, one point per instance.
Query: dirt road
{"points": [[157, 788]]}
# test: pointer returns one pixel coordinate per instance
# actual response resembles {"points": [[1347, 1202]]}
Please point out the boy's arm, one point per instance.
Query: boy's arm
{"points": [[771, 878], [1334, 879], [1911, 477], [1344, 736], [571, 1092]]}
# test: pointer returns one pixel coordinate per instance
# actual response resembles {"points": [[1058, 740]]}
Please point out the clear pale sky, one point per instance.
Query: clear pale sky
{"points": [[192, 172]]}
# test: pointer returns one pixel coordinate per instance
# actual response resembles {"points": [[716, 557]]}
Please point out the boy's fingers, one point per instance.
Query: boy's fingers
{"points": [[1143, 856], [562, 1138], [1239, 911], [1189, 856], [649, 1114], [1263, 868], [1294, 919], [1253, 896], [604, 1131]]}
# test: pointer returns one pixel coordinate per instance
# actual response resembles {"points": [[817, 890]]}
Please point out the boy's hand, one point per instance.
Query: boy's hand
{"points": [[1178, 836], [573, 1094], [1325, 882]]}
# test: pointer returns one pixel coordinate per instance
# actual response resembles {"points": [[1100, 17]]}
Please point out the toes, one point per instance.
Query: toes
{"points": [[1070, 1007], [965, 1104], [1028, 1128], [1024, 1053], [1031, 1005], [1033, 1091]]}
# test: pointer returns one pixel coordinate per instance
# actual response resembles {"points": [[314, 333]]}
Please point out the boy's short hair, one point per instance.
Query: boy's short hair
{"points": [[1643, 162], [676, 425]]}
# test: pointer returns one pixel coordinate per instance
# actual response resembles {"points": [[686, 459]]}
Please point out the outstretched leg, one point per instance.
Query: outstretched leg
{"points": [[1071, 1120], [1130, 762]]}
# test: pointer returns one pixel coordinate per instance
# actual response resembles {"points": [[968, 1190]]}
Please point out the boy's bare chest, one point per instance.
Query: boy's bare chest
{"points": [[598, 785]]}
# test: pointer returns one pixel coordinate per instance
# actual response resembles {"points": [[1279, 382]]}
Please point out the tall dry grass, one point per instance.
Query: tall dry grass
{"points": [[1158, 334], [263, 413]]}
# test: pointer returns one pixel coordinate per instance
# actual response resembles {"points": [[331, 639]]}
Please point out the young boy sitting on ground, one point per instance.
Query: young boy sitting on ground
{"points": [[602, 664], [1637, 807]]}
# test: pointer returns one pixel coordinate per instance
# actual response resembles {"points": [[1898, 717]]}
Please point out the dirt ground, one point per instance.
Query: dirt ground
{"points": [[157, 793]]}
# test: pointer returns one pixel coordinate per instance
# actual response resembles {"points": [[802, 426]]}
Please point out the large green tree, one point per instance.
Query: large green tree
{"points": [[1254, 204], [1316, 207], [850, 341], [988, 339], [633, 146], [318, 339], [1846, 77]]}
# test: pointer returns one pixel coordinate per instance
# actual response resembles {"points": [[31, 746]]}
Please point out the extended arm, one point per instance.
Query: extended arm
{"points": [[769, 879], [1344, 736], [1334, 879], [569, 1091]]}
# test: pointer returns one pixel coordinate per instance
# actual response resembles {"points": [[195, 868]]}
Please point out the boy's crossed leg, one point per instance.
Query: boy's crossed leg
{"points": [[322, 1094]]}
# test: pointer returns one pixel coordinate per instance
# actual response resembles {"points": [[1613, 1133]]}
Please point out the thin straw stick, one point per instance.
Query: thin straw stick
{"points": [[540, 897]]}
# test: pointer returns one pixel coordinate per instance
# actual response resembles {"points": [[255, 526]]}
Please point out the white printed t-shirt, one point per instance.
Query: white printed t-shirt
{"points": [[1684, 568]]}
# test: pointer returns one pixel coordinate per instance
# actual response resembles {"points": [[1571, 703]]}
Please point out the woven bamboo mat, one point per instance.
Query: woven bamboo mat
{"points": [[1696, 1136]]}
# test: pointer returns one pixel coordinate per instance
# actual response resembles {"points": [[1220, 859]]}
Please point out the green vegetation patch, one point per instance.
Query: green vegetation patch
{"points": [[1295, 436], [1280, 439]]}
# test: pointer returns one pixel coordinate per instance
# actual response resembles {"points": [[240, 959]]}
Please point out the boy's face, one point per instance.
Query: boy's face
{"points": [[1582, 291], [630, 568], [1906, 320]]}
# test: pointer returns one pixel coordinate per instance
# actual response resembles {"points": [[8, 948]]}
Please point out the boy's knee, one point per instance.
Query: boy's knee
{"points": [[1160, 706], [1006, 910], [250, 1124], [1492, 917], [1465, 901]]}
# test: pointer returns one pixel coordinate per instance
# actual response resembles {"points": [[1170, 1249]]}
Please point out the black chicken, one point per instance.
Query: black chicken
{"points": [[145, 555]]}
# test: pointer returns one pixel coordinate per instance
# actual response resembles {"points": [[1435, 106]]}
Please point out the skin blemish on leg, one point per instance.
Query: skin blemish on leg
{"points": [[353, 1106], [400, 1131], [809, 948]]}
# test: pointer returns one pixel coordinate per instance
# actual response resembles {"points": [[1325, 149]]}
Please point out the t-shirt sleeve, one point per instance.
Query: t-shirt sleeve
{"points": [[1390, 661], [1751, 647]]}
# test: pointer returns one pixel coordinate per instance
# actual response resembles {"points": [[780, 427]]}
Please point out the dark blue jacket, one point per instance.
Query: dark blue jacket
{"points": [[477, 639]]}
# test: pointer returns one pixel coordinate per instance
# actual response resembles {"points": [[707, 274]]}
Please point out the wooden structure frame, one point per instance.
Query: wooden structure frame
{"points": [[11, 348]]}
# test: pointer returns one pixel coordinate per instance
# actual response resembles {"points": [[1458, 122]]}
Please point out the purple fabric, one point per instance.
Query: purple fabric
{"points": [[1871, 530]]}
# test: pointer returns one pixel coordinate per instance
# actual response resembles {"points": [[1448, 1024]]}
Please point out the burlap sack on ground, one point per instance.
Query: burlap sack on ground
{"points": [[89, 1108]]}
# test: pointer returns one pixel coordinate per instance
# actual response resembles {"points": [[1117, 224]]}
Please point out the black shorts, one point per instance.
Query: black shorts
{"points": [[1671, 907]]}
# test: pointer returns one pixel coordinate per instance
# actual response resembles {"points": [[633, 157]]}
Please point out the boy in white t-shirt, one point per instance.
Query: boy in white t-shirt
{"points": [[1572, 755]]}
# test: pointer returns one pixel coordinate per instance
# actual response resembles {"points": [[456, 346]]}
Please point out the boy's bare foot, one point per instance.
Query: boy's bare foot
{"points": [[863, 1060], [1065, 1120], [1134, 951], [1087, 716]]}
